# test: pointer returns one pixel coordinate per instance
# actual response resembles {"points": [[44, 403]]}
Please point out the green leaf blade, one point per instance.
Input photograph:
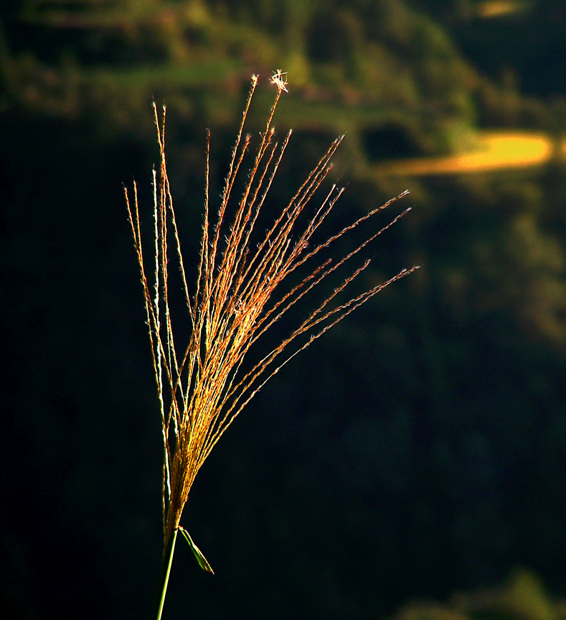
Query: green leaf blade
{"points": [[202, 561]]}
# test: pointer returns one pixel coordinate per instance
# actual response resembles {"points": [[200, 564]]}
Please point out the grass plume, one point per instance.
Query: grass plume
{"points": [[247, 279]]}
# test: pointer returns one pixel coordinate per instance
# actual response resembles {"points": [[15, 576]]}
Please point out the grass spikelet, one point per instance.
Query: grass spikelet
{"points": [[247, 279]]}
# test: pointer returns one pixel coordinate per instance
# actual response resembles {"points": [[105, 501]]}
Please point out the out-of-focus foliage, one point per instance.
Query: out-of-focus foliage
{"points": [[522, 597], [68, 57]]}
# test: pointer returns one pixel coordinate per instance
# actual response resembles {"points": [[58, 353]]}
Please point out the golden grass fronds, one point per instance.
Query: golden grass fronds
{"points": [[237, 297]]}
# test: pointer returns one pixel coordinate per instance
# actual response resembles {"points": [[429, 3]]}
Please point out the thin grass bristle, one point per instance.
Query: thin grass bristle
{"points": [[238, 295]]}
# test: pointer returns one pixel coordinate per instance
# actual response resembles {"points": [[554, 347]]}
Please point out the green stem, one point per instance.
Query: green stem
{"points": [[164, 576]]}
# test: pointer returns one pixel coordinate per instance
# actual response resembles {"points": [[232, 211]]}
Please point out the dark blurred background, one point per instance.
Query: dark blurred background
{"points": [[418, 452]]}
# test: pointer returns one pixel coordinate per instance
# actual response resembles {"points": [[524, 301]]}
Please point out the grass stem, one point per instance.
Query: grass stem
{"points": [[164, 576]]}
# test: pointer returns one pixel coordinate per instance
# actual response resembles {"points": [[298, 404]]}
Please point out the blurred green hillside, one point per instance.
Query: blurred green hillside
{"points": [[420, 449], [368, 66]]}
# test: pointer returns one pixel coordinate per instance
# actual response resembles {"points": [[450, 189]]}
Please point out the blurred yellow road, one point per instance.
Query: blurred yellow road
{"points": [[493, 151]]}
